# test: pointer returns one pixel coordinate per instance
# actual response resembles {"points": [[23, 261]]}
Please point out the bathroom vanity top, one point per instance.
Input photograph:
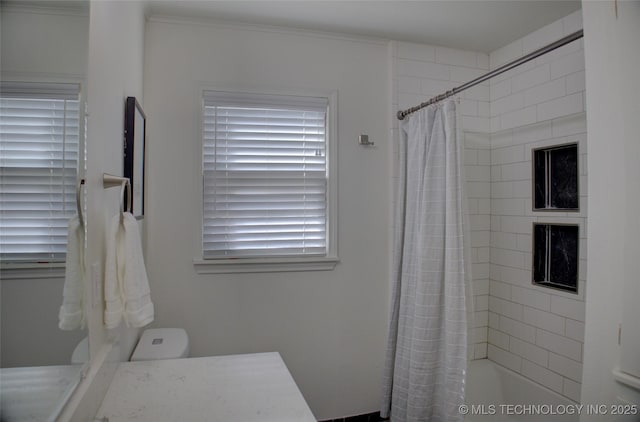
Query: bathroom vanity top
{"points": [[35, 393], [243, 388]]}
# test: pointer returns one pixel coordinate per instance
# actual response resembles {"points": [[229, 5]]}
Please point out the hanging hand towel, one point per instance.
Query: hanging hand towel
{"points": [[71, 315], [126, 289]]}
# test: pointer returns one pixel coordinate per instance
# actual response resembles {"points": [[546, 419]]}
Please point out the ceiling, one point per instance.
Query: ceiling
{"points": [[479, 25]]}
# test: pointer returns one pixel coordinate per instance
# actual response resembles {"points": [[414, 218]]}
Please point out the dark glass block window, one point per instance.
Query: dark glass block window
{"points": [[555, 178], [555, 256]]}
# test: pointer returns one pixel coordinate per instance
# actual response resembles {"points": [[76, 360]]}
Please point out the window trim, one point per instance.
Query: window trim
{"points": [[32, 270], [274, 264], [264, 265], [31, 87]]}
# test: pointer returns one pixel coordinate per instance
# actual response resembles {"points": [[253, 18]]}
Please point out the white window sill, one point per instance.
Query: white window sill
{"points": [[32, 271], [264, 265]]}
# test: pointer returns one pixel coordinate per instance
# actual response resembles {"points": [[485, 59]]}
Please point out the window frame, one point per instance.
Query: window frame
{"points": [[274, 264], [548, 150], [547, 282], [47, 87]]}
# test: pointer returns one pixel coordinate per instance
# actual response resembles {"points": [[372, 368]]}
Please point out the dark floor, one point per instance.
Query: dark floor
{"points": [[369, 417]]}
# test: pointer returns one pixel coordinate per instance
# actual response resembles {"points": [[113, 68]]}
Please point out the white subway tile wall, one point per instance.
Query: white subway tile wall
{"points": [[421, 72], [535, 331], [538, 332]]}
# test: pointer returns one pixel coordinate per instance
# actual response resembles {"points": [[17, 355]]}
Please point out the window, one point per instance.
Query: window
{"points": [[266, 184], [555, 256], [39, 142], [555, 179]]}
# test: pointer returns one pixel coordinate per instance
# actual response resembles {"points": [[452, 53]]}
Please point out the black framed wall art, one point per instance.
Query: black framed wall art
{"points": [[134, 153]]}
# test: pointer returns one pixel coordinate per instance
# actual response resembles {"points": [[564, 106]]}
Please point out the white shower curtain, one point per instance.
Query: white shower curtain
{"points": [[426, 357]]}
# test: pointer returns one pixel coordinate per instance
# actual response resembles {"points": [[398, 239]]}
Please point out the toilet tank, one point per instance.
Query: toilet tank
{"points": [[81, 352], [162, 343]]}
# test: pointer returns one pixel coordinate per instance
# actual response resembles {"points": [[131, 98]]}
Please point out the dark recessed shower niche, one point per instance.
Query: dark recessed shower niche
{"points": [[555, 256], [555, 178]]}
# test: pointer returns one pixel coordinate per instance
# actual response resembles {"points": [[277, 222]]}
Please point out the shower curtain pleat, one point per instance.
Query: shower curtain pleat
{"points": [[426, 357]]}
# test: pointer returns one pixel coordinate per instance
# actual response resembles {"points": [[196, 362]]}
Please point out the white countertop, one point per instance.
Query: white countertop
{"points": [[35, 393], [243, 388]]}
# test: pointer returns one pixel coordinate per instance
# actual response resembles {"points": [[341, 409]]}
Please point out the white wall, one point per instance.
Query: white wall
{"points": [[30, 333], [612, 62], [535, 331], [38, 45], [42, 42], [419, 73], [116, 52], [329, 326]]}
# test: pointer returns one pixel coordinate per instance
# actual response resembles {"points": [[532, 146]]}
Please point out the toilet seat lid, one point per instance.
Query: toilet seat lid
{"points": [[162, 343]]}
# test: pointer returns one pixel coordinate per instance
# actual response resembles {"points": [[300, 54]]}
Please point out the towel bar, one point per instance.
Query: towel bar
{"points": [[79, 201], [110, 181]]}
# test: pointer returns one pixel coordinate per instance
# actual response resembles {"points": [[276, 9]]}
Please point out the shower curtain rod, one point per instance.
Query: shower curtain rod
{"points": [[539, 52]]}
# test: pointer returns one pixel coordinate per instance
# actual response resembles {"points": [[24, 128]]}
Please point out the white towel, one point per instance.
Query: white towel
{"points": [[126, 288], [71, 315]]}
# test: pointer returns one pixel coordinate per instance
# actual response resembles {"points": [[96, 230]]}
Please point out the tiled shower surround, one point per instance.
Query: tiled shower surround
{"points": [[534, 330], [421, 72]]}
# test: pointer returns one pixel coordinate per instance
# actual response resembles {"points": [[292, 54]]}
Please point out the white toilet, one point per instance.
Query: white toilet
{"points": [[162, 343], [81, 352]]}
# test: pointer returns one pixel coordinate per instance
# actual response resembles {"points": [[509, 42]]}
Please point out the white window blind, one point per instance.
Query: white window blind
{"points": [[39, 142], [265, 175]]}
